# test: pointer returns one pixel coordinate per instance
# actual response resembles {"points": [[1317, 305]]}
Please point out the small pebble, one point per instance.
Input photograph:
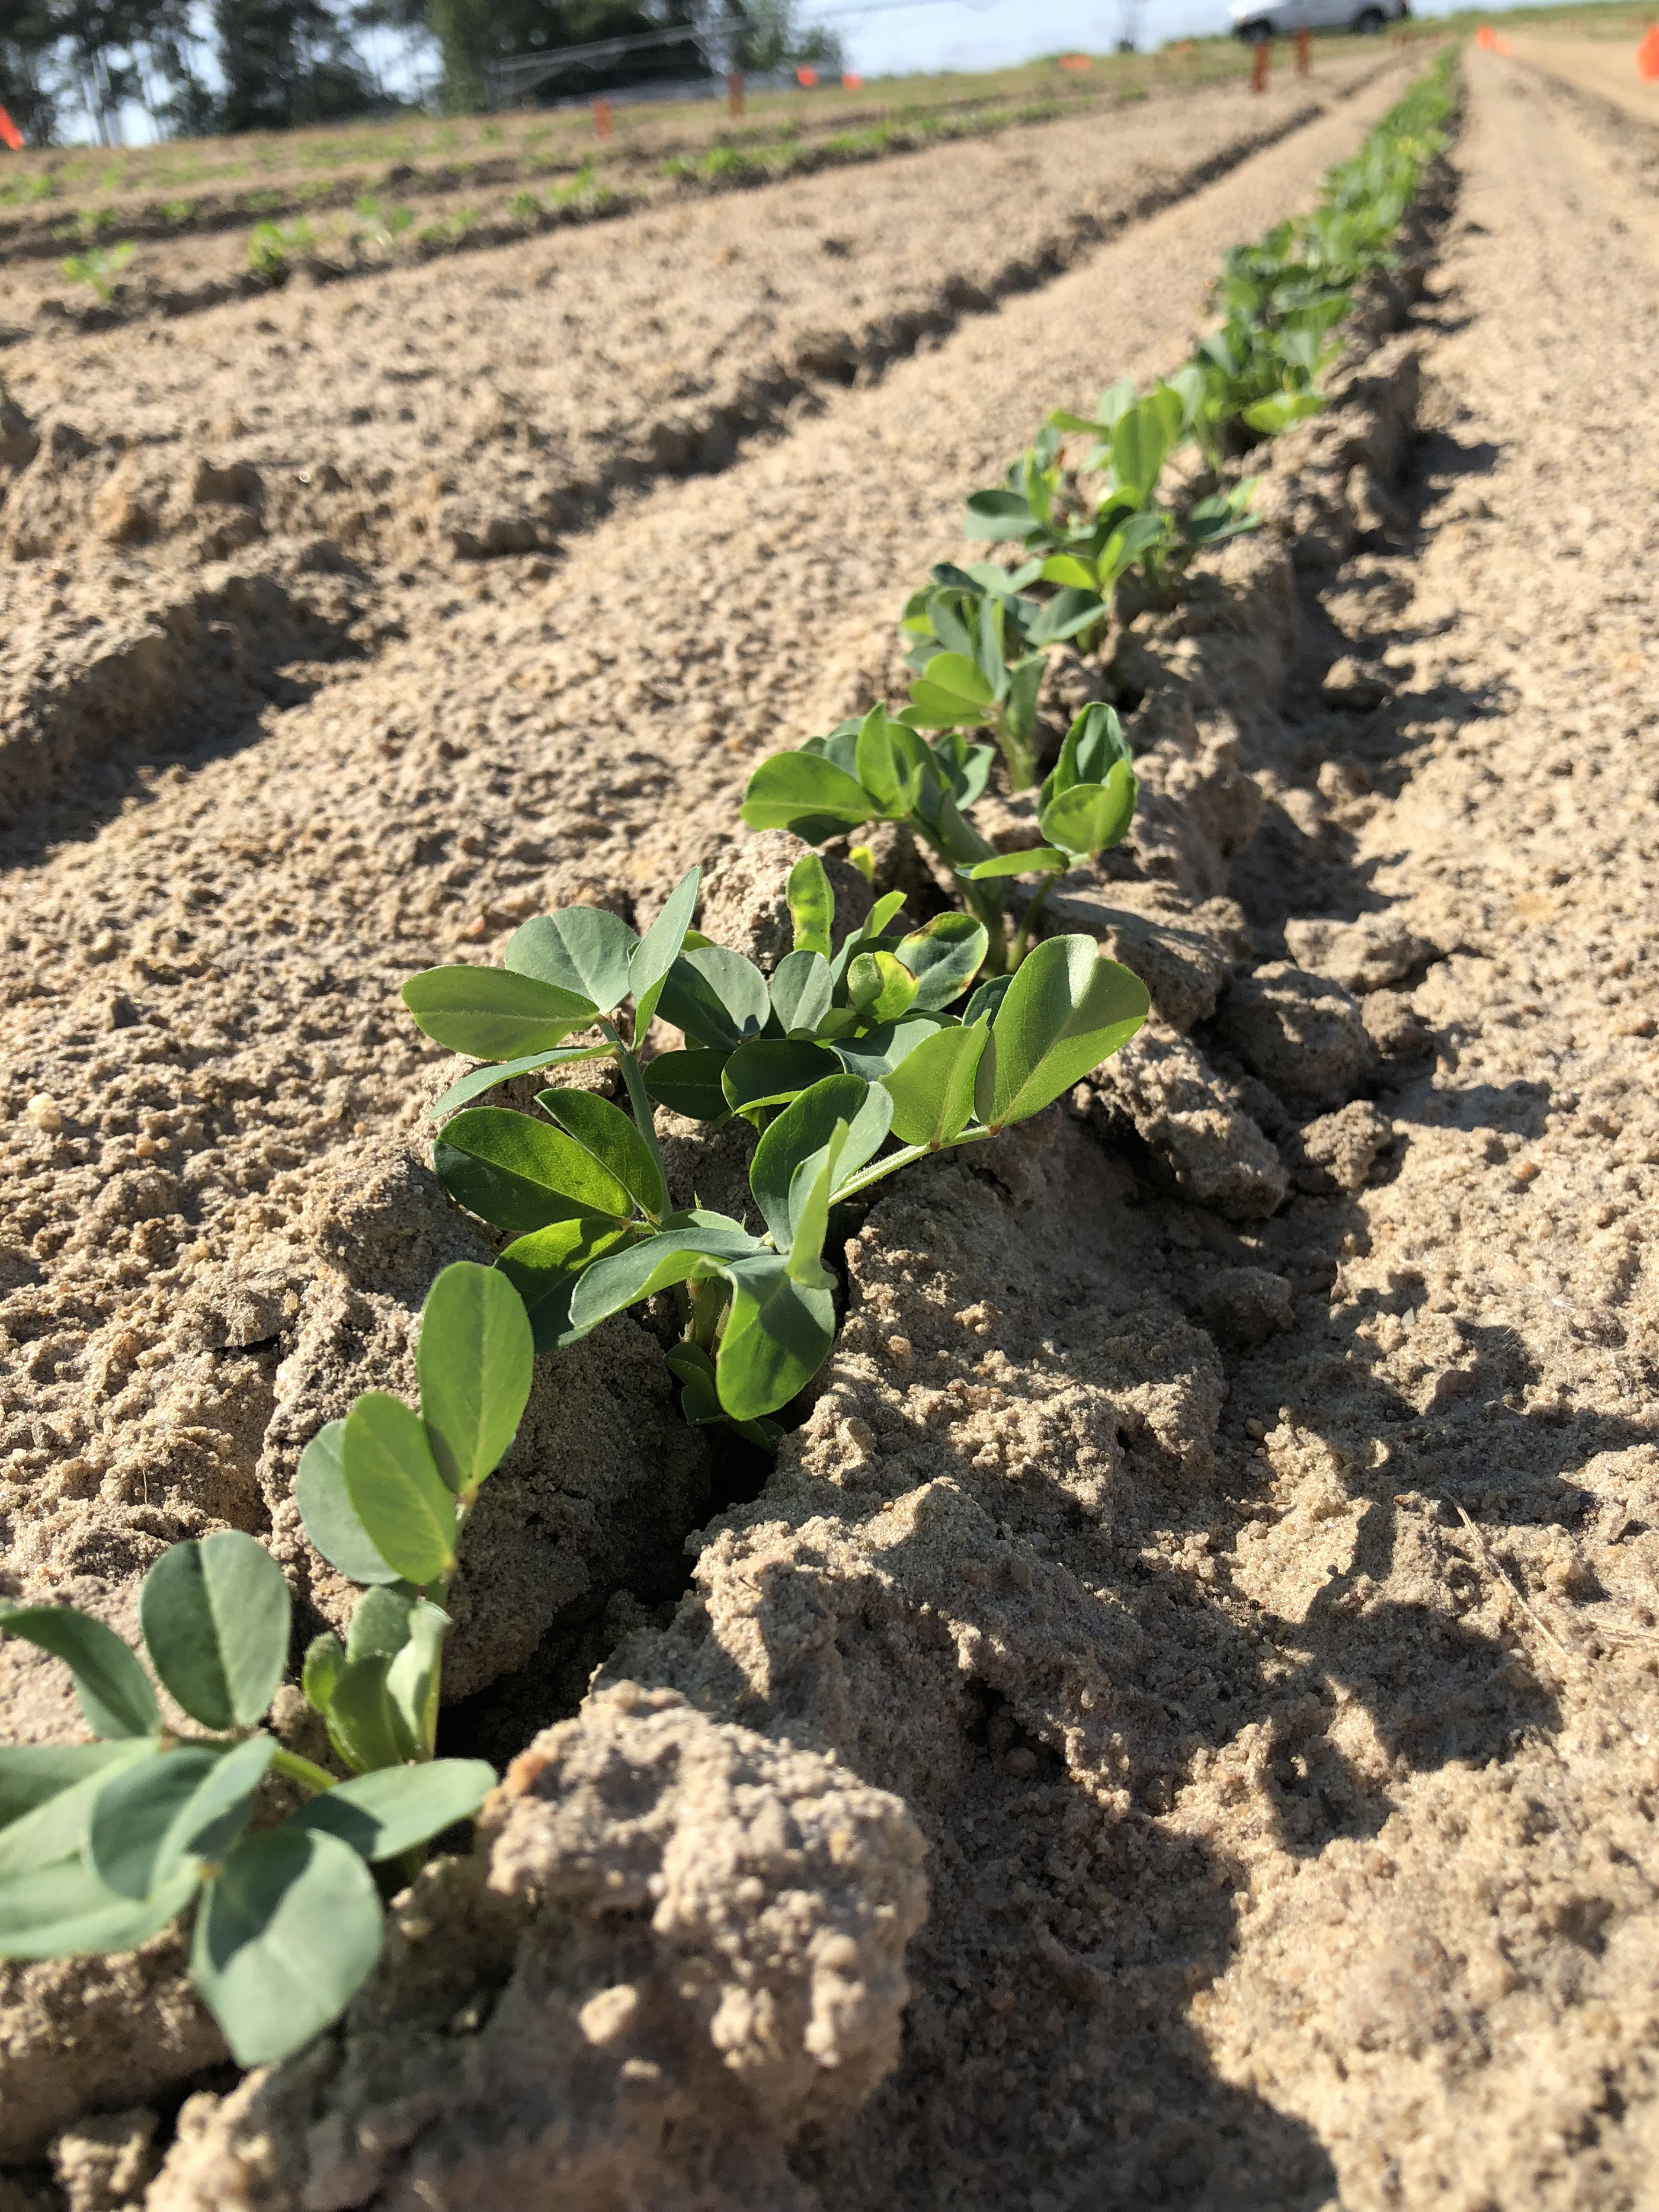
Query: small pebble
{"points": [[43, 1112]]}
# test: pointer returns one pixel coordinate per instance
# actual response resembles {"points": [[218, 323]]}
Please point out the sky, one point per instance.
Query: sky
{"points": [[933, 34]]}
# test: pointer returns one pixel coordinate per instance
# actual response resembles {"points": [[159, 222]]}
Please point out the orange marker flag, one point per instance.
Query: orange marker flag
{"points": [[1486, 37], [9, 132], [1647, 55], [806, 76], [851, 82]]}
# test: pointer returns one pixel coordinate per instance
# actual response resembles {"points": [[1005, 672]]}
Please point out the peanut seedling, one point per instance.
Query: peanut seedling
{"points": [[830, 1058]]}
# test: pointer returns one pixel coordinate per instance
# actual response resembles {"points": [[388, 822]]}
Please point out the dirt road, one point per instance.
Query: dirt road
{"points": [[1252, 1605]]}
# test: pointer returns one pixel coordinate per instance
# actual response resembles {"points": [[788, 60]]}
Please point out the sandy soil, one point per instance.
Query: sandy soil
{"points": [[1225, 1537], [1605, 68]]}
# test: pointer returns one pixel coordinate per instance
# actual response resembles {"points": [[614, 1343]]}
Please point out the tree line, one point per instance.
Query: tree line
{"points": [[198, 67]]}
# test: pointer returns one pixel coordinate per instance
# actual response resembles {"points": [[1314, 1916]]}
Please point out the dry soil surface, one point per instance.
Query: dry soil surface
{"points": [[1222, 1558], [1605, 68]]}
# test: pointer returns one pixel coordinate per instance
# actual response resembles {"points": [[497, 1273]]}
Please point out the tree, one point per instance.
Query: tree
{"points": [[286, 62]]}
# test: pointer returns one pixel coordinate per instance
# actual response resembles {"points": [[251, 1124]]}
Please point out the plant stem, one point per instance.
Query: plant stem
{"points": [[895, 1161], [314, 1778], [640, 1099], [1033, 908]]}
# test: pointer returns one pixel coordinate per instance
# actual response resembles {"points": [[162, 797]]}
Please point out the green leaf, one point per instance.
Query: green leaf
{"points": [[802, 989], [812, 910], [393, 1483], [625, 1278], [1140, 443], [893, 765], [490, 1014], [777, 1334], [810, 1191], [998, 514], [1028, 861], [614, 1141], [1064, 615], [692, 1367], [520, 1173], [773, 1069], [584, 950], [877, 1053], [880, 986], [1024, 684], [807, 794], [190, 1805], [110, 1687], [660, 947], [1091, 816], [543, 1268], [1065, 1011], [802, 1131], [330, 1519], [32, 1774], [716, 997], [688, 1083], [951, 688], [1066, 569], [932, 1088], [381, 1816], [965, 768], [1093, 746], [530, 1063], [325, 1662], [986, 998], [55, 1827], [412, 1679], [216, 1615], [379, 1622], [285, 1938], [474, 1361], [63, 1910], [943, 957], [364, 1724]]}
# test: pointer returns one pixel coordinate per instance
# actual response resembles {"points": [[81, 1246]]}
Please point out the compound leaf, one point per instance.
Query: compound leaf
{"points": [[364, 1724]]}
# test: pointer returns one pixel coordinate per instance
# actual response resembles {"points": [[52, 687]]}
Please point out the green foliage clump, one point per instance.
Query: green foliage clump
{"points": [[850, 1064], [98, 269], [270, 245]]}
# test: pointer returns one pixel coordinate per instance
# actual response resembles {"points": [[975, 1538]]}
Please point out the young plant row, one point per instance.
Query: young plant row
{"points": [[851, 1060]]}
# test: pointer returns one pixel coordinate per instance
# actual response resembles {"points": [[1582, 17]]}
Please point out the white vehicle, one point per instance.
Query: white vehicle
{"points": [[1255, 22]]}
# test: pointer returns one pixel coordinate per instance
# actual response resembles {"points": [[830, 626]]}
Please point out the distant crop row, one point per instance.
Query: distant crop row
{"points": [[855, 1058]]}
